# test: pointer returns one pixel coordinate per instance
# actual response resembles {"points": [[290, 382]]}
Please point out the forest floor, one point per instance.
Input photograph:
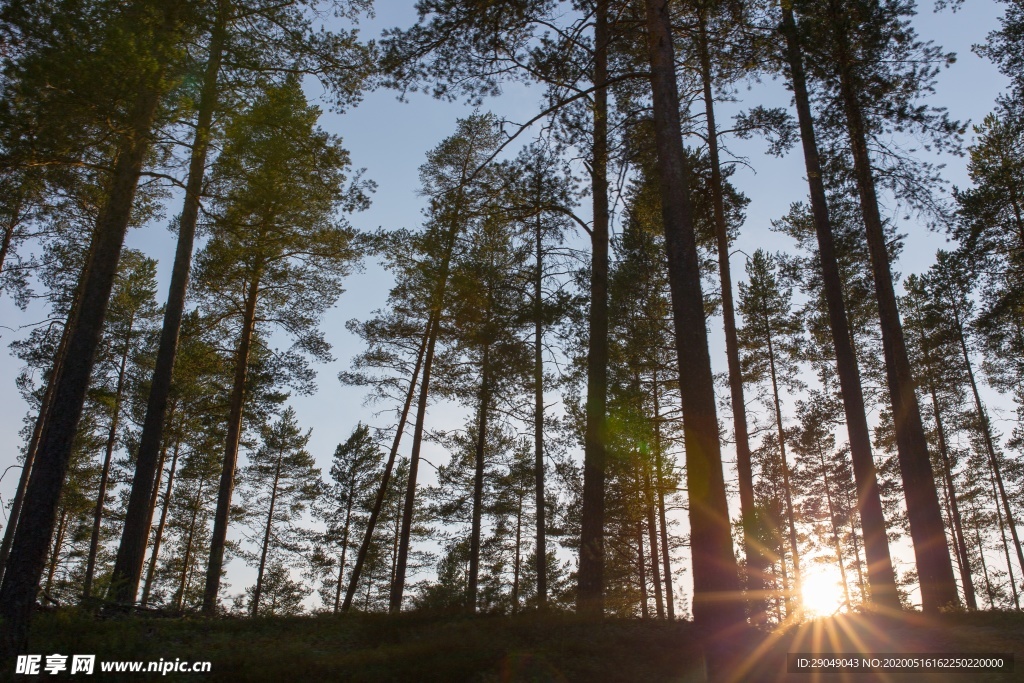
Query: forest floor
{"points": [[527, 647]]}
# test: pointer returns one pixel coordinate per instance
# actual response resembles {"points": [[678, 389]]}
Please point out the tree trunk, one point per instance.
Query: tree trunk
{"points": [[958, 528], [947, 474], [857, 561], [1006, 545], [935, 571], [344, 548], [666, 557], [881, 577], [101, 495], [652, 539], [158, 538], [138, 517], [958, 557], [227, 477], [156, 488], [39, 511], [180, 600], [984, 566], [754, 553], [785, 578], [402, 559], [33, 445], [378, 502], [796, 594], [436, 310], [58, 541], [478, 479], [538, 420], [987, 434], [717, 600], [590, 594], [519, 554], [835, 530], [5, 243], [258, 590], [16, 205], [395, 542], [641, 568]]}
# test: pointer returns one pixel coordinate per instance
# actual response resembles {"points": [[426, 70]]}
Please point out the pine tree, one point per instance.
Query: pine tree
{"points": [[280, 481], [278, 252], [770, 339], [128, 330], [825, 476], [354, 473], [455, 179], [542, 194]]}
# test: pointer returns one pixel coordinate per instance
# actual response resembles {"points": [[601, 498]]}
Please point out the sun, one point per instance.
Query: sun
{"points": [[822, 594]]}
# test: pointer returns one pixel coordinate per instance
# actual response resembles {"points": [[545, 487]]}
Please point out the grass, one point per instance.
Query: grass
{"points": [[377, 647], [527, 647]]}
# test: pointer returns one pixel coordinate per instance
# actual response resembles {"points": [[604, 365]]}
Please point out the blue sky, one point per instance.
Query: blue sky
{"points": [[390, 138]]}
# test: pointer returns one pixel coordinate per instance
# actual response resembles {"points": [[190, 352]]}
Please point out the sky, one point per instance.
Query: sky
{"points": [[390, 138]]}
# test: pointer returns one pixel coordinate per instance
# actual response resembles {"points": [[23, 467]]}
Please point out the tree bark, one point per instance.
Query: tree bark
{"points": [[752, 550], [785, 578], [378, 502], [590, 578], [39, 511], [158, 538], [16, 205], [881, 577], [227, 477], [156, 488], [984, 566], [131, 551], [717, 600], [519, 553], [5, 243], [958, 557]]}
